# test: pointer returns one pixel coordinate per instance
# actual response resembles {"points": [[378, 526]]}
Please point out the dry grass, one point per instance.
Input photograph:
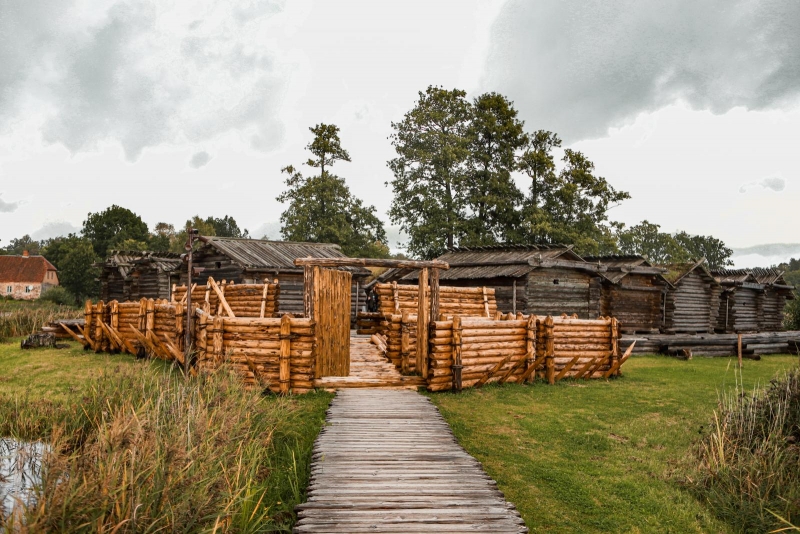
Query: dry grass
{"points": [[21, 318]]}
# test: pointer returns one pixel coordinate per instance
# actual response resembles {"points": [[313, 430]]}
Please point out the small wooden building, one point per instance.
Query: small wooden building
{"points": [[691, 303], [251, 261], [132, 275], [752, 300], [632, 292], [538, 279]]}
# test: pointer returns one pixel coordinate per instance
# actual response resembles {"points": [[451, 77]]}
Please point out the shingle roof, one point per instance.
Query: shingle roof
{"points": [[126, 260], [676, 271], [755, 275], [275, 255], [511, 261], [31, 269]]}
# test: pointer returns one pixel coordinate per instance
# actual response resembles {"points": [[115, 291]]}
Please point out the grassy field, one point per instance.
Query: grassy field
{"points": [[148, 451], [603, 456]]}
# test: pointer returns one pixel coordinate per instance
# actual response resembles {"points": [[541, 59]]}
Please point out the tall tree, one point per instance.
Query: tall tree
{"points": [[538, 163], [574, 208], [495, 135], [708, 247], [227, 227], [646, 239], [18, 245], [326, 146], [107, 229], [430, 170], [322, 209], [162, 238], [75, 259]]}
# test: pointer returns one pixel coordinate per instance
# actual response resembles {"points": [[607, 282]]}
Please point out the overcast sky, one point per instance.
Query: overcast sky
{"points": [[175, 108]]}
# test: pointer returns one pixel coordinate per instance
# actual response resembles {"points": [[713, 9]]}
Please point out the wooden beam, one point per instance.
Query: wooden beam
{"points": [[371, 262], [221, 297], [423, 318]]}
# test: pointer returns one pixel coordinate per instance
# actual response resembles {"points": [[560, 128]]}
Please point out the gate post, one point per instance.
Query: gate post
{"points": [[456, 341], [423, 309], [405, 341], [286, 347], [549, 350]]}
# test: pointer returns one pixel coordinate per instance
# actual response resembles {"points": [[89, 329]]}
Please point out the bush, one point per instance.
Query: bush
{"points": [[791, 314], [59, 295], [149, 451], [749, 470]]}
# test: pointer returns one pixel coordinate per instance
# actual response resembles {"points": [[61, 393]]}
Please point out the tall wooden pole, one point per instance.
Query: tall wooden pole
{"points": [[423, 309], [188, 334]]}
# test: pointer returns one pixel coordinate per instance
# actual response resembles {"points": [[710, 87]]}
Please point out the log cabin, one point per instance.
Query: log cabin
{"points": [[752, 300], [632, 291], [538, 279], [132, 275], [691, 303], [251, 261]]}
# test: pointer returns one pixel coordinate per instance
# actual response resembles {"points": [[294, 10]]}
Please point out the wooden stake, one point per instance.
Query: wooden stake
{"points": [[423, 317], [549, 350], [286, 348], [221, 297], [405, 342], [264, 299], [457, 363], [739, 348]]}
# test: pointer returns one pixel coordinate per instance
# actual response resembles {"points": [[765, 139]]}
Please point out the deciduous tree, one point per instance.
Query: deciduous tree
{"points": [[107, 229]]}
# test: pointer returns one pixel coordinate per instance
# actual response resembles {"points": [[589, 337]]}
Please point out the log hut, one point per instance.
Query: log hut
{"points": [[251, 261], [132, 275], [691, 303], [532, 279], [752, 300], [632, 292]]}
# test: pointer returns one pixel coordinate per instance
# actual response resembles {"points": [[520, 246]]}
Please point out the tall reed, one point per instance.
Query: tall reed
{"points": [[23, 318], [749, 463], [146, 451]]}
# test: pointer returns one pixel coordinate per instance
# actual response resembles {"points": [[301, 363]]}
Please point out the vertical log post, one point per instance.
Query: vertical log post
{"points": [[97, 317], [485, 302], [530, 338], [549, 351], [286, 347], [405, 341], [308, 291], [88, 311], [435, 300], [739, 348], [150, 320], [614, 342], [202, 337], [396, 297], [457, 363], [264, 298], [423, 310], [180, 322], [216, 339], [514, 296]]}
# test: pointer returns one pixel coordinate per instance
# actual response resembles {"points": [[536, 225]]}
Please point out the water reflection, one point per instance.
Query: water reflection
{"points": [[20, 471]]}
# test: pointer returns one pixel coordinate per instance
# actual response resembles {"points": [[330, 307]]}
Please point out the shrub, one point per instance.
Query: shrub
{"points": [[59, 295], [149, 451], [749, 468], [791, 314]]}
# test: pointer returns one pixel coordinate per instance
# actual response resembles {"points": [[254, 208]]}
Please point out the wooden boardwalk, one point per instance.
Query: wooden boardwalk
{"points": [[369, 368], [388, 462]]}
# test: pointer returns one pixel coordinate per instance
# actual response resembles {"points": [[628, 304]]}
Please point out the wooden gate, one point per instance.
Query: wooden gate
{"points": [[328, 302]]}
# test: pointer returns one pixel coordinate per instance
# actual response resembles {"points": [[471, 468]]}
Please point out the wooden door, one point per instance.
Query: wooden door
{"points": [[331, 312]]}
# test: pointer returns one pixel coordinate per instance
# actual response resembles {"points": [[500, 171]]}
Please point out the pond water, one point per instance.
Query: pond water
{"points": [[20, 471]]}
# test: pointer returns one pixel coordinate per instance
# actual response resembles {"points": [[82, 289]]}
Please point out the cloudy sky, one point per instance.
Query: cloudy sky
{"points": [[183, 107]]}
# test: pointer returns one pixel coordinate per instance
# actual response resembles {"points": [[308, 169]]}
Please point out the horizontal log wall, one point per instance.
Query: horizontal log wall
{"points": [[754, 344], [274, 353], [245, 300], [692, 306], [553, 291], [395, 298], [636, 302]]}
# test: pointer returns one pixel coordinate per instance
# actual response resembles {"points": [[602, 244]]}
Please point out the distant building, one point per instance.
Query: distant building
{"points": [[251, 261], [26, 277], [132, 275], [691, 304], [752, 300]]}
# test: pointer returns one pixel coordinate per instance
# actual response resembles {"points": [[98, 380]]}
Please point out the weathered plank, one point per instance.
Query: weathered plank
{"points": [[388, 462]]}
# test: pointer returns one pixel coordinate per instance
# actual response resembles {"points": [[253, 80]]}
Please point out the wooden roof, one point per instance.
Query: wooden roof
{"points": [[620, 266], [24, 269], [677, 271], [264, 255], [126, 260], [512, 261], [755, 278]]}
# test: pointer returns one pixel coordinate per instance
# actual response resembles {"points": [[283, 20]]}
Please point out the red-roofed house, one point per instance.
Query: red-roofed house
{"points": [[26, 277]]}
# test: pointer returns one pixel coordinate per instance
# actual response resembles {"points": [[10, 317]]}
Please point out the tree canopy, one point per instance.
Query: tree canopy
{"points": [[322, 208], [646, 239], [109, 228]]}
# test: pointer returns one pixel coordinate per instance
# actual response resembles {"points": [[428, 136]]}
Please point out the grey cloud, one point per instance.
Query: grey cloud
{"points": [[54, 229], [129, 77], [580, 68], [199, 159], [775, 183], [8, 207]]}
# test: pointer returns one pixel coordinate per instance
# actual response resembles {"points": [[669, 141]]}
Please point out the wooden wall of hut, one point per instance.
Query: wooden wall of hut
{"points": [[503, 291], [636, 302], [692, 305], [739, 310], [774, 300], [113, 286], [555, 291], [148, 282], [290, 299]]}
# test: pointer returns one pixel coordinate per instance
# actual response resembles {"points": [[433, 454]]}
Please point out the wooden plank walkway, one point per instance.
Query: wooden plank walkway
{"points": [[369, 368], [388, 462]]}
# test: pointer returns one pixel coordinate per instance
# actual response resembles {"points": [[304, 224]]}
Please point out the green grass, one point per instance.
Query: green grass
{"points": [[603, 456], [144, 450]]}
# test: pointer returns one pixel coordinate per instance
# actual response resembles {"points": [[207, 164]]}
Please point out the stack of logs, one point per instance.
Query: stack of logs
{"points": [[243, 300], [394, 299], [753, 344], [470, 351], [273, 353]]}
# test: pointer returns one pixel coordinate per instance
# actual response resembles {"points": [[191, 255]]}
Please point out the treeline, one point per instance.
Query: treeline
{"points": [[454, 185], [115, 228]]}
